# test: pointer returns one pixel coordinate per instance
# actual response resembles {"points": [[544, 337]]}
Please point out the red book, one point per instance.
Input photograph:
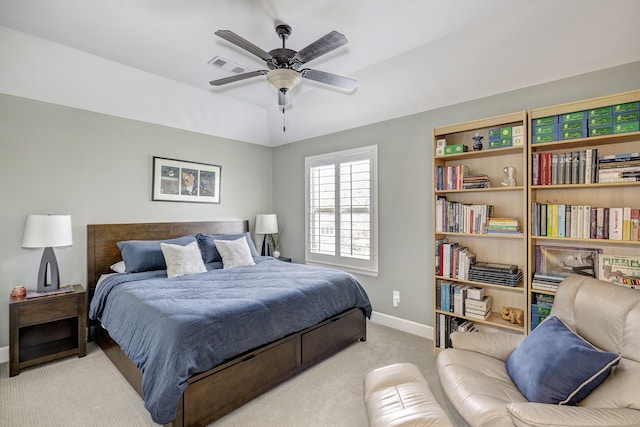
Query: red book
{"points": [[635, 224], [549, 157], [544, 170]]}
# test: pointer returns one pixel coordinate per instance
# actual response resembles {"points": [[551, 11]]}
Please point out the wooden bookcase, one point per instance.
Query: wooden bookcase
{"points": [[507, 202], [619, 194]]}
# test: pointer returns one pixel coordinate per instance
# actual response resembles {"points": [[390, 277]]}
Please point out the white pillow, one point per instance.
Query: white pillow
{"points": [[182, 260], [235, 253], [119, 267]]}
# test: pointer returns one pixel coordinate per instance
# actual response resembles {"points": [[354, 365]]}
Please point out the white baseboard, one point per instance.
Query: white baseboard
{"points": [[403, 325]]}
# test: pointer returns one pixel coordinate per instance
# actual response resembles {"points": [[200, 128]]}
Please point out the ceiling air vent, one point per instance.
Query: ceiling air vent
{"points": [[227, 65]]}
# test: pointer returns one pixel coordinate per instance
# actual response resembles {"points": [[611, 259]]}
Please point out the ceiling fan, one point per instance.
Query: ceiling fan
{"points": [[284, 65]]}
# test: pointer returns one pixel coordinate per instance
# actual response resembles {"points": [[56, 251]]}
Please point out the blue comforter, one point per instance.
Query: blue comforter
{"points": [[175, 328]]}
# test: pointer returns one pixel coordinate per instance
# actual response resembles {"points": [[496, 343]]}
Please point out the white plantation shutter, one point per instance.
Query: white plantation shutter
{"points": [[341, 211]]}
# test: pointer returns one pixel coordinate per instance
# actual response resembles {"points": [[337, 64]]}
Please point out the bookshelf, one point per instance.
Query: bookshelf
{"points": [[462, 221], [578, 192]]}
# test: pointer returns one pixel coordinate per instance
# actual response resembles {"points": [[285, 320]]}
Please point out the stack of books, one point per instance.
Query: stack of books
{"points": [[478, 308], [476, 180], [496, 274], [504, 226], [546, 281], [619, 168]]}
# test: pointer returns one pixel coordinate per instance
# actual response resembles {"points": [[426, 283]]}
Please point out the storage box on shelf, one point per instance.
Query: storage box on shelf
{"points": [[585, 192], [471, 187]]}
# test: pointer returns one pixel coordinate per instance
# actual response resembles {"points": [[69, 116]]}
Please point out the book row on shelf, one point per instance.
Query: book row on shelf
{"points": [[458, 178], [447, 324], [459, 262], [453, 260], [463, 300], [457, 217], [583, 167], [585, 222], [540, 308]]}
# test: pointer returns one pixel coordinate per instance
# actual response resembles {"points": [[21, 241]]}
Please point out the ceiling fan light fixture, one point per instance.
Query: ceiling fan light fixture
{"points": [[284, 78]]}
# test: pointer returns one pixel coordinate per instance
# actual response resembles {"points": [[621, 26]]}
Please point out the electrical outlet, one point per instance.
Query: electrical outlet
{"points": [[396, 298]]}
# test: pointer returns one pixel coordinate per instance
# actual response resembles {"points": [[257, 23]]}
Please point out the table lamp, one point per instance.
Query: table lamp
{"points": [[266, 224], [47, 231]]}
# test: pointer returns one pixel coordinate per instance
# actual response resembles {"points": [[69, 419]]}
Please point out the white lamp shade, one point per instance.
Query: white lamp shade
{"points": [[44, 231], [266, 224], [284, 78]]}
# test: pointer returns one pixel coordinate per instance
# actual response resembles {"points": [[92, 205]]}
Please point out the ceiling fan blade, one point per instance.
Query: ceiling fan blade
{"points": [[232, 37], [237, 77], [323, 45], [329, 79], [284, 98]]}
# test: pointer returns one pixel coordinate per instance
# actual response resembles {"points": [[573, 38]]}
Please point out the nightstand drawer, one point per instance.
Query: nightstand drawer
{"points": [[45, 311]]}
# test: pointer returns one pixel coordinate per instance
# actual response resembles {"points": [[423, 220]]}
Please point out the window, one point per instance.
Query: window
{"points": [[341, 209]]}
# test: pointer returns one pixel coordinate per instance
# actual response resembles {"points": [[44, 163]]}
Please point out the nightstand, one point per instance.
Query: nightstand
{"points": [[47, 328], [284, 259]]}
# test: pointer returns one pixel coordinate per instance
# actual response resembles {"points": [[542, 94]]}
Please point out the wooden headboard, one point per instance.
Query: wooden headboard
{"points": [[102, 251]]}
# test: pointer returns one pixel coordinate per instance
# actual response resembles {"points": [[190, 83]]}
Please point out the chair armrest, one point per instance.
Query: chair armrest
{"points": [[496, 345], [547, 415]]}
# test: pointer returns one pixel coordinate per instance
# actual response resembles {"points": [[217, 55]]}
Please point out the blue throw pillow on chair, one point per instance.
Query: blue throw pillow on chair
{"points": [[555, 365]]}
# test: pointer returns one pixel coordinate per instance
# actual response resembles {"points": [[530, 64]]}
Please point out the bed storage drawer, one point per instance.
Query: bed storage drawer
{"points": [[240, 382], [337, 333]]}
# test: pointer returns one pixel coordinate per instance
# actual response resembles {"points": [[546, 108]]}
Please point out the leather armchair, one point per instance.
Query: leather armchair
{"points": [[475, 379]]}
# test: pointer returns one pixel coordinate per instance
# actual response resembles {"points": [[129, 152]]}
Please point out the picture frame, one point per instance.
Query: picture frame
{"points": [[563, 261], [184, 181]]}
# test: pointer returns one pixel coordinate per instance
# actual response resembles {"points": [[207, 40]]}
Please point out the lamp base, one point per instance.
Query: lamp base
{"points": [[266, 246], [48, 263]]}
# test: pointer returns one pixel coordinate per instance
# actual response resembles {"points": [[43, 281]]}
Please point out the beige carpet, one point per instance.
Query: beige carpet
{"points": [[91, 392]]}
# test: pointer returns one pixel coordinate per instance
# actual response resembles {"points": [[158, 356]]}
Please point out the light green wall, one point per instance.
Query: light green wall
{"points": [[405, 182], [97, 168]]}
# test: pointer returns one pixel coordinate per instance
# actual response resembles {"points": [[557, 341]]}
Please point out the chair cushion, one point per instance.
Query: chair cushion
{"points": [[398, 396], [555, 365], [478, 386]]}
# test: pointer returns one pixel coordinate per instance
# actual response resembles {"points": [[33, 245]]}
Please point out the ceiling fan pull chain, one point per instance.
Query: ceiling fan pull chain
{"points": [[284, 128]]}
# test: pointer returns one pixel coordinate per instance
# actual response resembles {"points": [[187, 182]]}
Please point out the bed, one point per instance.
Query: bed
{"points": [[284, 341]]}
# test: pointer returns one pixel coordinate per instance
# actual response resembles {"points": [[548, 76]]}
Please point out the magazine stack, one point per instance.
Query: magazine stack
{"points": [[497, 274], [546, 282]]}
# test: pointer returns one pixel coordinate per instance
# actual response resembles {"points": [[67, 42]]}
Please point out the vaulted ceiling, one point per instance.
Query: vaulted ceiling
{"points": [[148, 59]]}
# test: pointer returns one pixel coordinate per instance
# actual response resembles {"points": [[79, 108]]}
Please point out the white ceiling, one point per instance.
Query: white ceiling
{"points": [[408, 56]]}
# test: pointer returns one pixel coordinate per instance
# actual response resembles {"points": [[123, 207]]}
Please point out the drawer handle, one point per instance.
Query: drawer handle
{"points": [[246, 359]]}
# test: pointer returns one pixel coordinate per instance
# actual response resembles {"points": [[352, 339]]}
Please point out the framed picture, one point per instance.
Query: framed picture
{"points": [[564, 261], [182, 181]]}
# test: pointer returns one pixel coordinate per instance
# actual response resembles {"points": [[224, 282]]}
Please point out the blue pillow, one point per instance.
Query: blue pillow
{"points": [[208, 247], [146, 255], [555, 365]]}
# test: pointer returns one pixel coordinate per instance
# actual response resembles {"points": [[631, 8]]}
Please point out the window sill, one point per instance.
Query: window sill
{"points": [[352, 270]]}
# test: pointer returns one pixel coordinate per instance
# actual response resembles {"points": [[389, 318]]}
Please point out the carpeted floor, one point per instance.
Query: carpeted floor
{"points": [[91, 392]]}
